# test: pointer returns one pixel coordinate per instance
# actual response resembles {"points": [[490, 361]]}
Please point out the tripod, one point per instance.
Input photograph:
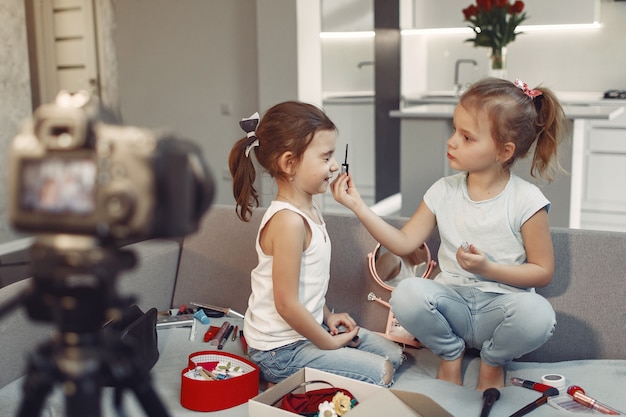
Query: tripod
{"points": [[74, 288]]}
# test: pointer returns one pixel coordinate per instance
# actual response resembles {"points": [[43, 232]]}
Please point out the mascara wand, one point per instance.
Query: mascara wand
{"points": [[345, 165]]}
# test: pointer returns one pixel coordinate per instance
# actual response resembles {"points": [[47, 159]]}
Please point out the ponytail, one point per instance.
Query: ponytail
{"points": [[243, 173], [551, 129]]}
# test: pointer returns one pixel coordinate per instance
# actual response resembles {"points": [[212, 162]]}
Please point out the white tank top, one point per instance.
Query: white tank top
{"points": [[264, 328]]}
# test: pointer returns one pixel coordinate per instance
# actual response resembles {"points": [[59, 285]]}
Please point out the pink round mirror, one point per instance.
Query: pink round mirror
{"points": [[389, 269]]}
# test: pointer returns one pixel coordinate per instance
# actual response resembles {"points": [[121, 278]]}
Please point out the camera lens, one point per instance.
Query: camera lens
{"points": [[119, 206]]}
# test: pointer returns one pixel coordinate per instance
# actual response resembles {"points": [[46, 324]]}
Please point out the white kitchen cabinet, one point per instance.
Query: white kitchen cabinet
{"points": [[355, 121], [603, 196], [347, 15]]}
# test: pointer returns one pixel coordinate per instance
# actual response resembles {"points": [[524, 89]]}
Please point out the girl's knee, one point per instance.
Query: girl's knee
{"points": [[537, 312], [535, 318], [407, 294], [388, 372]]}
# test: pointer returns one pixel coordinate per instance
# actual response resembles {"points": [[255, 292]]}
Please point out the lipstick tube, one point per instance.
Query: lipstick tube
{"points": [[537, 386], [578, 394]]}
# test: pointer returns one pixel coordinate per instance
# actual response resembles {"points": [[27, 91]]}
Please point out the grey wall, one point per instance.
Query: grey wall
{"points": [[15, 102], [190, 66]]}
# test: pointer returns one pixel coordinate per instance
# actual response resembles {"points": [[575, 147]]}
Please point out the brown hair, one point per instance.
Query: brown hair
{"points": [[523, 120], [288, 126]]}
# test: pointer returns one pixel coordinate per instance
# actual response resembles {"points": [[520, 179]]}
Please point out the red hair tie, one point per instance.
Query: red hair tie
{"points": [[528, 91]]}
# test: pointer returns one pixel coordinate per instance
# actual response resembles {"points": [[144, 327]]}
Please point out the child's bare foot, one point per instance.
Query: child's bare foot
{"points": [[490, 377], [451, 371]]}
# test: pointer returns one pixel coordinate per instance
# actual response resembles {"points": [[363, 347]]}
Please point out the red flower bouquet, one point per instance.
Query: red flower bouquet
{"points": [[494, 23]]}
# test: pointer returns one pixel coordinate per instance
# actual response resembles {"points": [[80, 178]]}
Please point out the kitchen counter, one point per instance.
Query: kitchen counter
{"points": [[567, 98], [572, 111]]}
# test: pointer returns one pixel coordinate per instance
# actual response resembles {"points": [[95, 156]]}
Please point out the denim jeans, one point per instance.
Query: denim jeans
{"points": [[447, 319], [365, 363]]}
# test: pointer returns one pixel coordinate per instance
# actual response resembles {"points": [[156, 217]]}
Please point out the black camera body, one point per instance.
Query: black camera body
{"points": [[73, 171]]}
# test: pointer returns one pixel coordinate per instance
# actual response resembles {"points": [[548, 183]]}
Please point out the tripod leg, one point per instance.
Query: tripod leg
{"points": [[37, 384], [130, 375], [84, 398], [123, 363], [147, 396]]}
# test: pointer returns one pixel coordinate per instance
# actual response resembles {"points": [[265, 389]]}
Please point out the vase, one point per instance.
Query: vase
{"points": [[497, 64]]}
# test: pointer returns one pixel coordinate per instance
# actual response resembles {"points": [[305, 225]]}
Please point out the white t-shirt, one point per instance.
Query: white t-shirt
{"points": [[493, 226], [264, 328]]}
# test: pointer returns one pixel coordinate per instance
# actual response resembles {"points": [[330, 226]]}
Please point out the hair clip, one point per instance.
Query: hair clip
{"points": [[528, 91], [249, 125]]}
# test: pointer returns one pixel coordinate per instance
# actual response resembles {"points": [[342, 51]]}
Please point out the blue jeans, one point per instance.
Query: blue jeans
{"points": [[447, 319], [365, 363]]}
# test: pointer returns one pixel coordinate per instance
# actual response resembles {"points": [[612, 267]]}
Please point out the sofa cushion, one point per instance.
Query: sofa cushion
{"points": [[587, 293], [216, 261], [153, 278]]}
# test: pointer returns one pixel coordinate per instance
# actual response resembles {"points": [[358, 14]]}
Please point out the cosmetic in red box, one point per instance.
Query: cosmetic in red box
{"points": [[214, 395]]}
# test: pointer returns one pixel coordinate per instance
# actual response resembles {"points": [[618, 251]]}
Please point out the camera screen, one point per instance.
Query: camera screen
{"points": [[58, 186]]}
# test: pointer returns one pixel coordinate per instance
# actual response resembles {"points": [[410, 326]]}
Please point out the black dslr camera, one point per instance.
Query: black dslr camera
{"points": [[73, 171]]}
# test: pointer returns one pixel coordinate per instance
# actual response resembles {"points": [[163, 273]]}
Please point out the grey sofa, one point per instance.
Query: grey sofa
{"points": [[213, 265]]}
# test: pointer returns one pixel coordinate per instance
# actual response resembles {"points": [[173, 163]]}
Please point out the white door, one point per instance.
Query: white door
{"points": [[66, 47]]}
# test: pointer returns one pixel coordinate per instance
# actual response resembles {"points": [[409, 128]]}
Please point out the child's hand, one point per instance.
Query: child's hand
{"points": [[471, 259], [345, 192], [350, 339], [344, 329], [340, 323]]}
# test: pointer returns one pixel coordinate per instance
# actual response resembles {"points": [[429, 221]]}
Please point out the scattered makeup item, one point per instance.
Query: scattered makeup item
{"points": [[537, 403], [192, 332], [183, 320], [530, 384], [183, 310], [244, 344], [578, 394], [235, 333], [566, 403], [210, 333], [225, 337], [227, 311], [490, 396], [220, 333], [200, 315], [554, 380]]}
